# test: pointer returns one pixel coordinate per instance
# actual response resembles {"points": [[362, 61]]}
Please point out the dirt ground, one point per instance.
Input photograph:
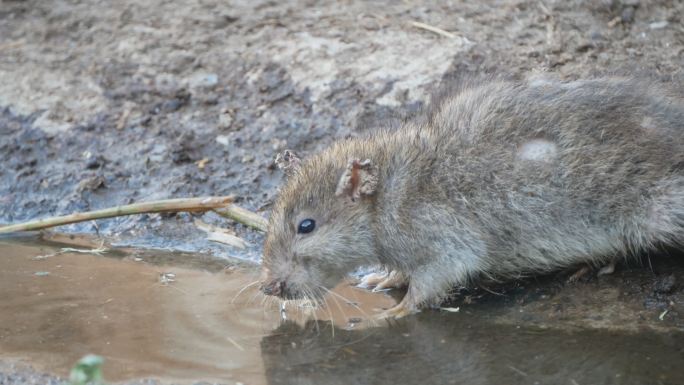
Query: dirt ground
{"points": [[105, 103]]}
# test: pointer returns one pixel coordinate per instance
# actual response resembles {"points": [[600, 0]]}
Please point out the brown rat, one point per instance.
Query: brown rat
{"points": [[501, 179]]}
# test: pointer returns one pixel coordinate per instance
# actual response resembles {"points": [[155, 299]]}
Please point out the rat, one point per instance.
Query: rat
{"points": [[500, 178]]}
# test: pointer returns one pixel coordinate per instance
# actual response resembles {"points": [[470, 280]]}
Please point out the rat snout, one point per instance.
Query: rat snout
{"points": [[280, 289], [275, 287]]}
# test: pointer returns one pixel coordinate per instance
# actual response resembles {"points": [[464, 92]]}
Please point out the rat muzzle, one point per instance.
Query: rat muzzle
{"points": [[280, 289], [275, 288]]}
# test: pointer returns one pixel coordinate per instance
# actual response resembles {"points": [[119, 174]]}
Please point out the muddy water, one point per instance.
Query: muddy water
{"points": [[147, 320], [151, 318]]}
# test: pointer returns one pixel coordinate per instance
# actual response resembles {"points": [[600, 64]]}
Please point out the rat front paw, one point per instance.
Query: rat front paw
{"points": [[394, 280], [384, 281]]}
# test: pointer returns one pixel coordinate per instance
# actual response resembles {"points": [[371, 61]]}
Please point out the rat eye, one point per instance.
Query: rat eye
{"points": [[306, 226]]}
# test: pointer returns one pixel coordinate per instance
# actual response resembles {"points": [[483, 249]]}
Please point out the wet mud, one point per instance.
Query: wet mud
{"points": [[107, 103]]}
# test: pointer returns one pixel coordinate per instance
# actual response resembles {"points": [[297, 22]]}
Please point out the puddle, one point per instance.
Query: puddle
{"points": [[54, 310], [57, 309]]}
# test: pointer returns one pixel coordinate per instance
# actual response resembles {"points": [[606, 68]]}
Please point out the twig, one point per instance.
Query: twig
{"points": [[10, 45], [450, 309], [246, 217], [99, 251], [217, 234], [431, 28], [520, 372], [662, 315], [163, 206]]}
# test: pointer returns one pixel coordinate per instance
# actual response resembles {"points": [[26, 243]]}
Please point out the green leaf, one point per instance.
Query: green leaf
{"points": [[88, 370]]}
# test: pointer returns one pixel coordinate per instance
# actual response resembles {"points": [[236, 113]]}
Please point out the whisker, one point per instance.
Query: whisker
{"points": [[347, 300], [243, 289], [332, 321], [301, 303], [352, 304], [326, 306], [254, 296], [337, 304], [312, 314], [315, 318]]}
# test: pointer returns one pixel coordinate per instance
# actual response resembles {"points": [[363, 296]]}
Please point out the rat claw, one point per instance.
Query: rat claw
{"points": [[399, 311], [393, 280], [607, 269], [584, 270], [371, 280], [579, 274]]}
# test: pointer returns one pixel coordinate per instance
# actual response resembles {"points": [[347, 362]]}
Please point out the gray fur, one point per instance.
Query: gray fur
{"points": [[501, 179]]}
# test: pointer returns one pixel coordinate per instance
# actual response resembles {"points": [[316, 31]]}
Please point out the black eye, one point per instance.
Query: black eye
{"points": [[306, 226]]}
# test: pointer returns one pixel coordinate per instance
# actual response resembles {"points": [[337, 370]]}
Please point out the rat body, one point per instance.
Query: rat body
{"points": [[501, 179]]}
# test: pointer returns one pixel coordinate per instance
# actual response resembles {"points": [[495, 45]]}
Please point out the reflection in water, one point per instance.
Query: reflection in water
{"points": [[57, 309], [458, 349]]}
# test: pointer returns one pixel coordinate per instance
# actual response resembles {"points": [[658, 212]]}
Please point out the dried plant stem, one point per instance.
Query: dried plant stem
{"points": [[162, 206], [246, 217], [433, 29]]}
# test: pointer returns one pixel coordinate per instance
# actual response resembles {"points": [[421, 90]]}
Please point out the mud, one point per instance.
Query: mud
{"points": [[199, 324], [106, 103]]}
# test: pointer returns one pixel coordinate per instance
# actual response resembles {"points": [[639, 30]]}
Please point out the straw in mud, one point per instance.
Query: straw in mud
{"points": [[222, 205]]}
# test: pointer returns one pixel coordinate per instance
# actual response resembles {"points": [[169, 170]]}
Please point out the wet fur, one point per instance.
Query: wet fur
{"points": [[457, 200]]}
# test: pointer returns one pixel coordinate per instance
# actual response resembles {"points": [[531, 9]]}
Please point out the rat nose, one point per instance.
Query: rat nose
{"points": [[273, 288]]}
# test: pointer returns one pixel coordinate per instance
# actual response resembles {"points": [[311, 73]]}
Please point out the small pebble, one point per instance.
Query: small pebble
{"points": [[225, 120], [627, 15], [203, 80], [658, 24], [95, 162], [166, 278], [223, 139], [665, 284]]}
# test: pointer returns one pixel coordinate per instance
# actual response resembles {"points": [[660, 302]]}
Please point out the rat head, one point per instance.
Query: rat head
{"points": [[320, 227]]}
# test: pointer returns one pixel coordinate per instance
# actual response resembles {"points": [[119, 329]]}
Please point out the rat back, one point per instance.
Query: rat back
{"points": [[547, 174]]}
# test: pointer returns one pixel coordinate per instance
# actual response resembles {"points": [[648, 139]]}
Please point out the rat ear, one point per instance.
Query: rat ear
{"points": [[288, 161], [360, 178]]}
